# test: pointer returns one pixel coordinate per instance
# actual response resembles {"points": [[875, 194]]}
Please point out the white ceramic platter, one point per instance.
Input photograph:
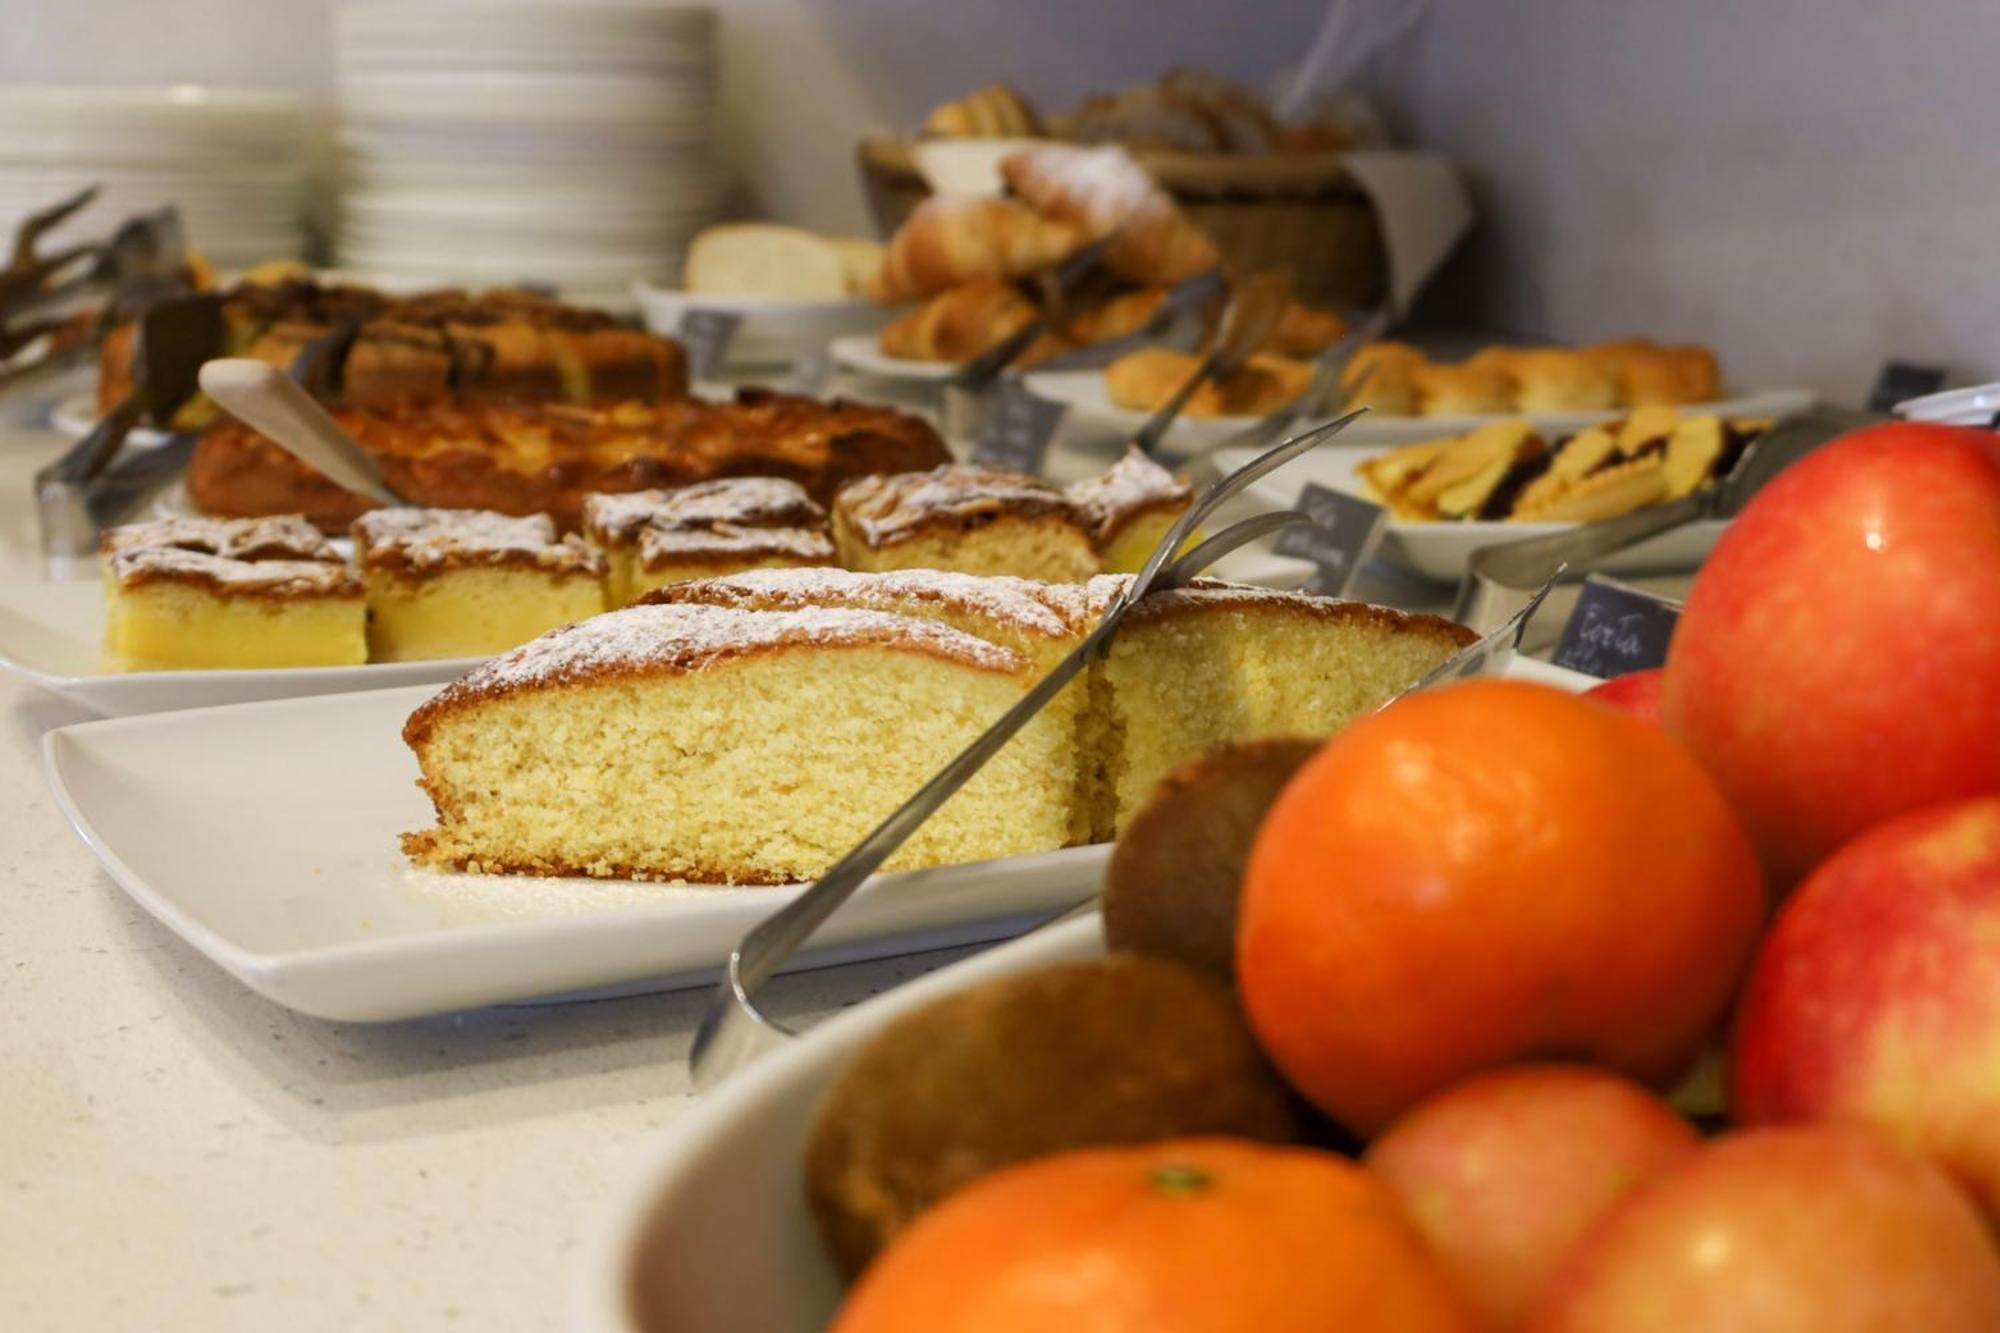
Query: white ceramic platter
{"points": [[716, 1210], [773, 331], [52, 635], [860, 352], [1440, 550], [266, 835]]}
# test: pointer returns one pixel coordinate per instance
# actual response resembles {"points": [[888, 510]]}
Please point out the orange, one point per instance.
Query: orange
{"points": [[1203, 1235], [1491, 872]]}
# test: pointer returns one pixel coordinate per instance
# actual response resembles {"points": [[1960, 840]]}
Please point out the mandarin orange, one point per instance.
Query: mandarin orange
{"points": [[1485, 873]]}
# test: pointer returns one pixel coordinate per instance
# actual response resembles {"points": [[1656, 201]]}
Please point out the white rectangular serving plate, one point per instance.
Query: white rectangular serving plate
{"points": [[52, 635], [717, 1208], [1441, 550], [266, 835]]}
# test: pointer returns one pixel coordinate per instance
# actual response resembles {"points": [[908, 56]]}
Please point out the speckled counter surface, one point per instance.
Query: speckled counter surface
{"points": [[177, 1153]]}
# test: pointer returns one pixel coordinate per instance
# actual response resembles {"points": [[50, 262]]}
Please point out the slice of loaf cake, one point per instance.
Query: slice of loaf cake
{"points": [[201, 593], [666, 556], [468, 582], [1018, 614], [1128, 509], [971, 519], [724, 745], [617, 523], [1197, 668]]}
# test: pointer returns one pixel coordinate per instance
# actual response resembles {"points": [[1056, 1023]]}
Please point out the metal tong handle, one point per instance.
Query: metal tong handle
{"points": [[1254, 310], [267, 399], [733, 1032]]}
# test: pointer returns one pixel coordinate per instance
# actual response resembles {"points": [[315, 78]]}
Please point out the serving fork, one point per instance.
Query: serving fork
{"points": [[734, 1031]]}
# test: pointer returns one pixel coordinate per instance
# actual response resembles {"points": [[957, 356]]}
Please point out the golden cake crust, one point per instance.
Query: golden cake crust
{"points": [[418, 544], [654, 640], [224, 576], [730, 545], [744, 502], [1021, 604], [1132, 488], [882, 511], [280, 537], [545, 458], [1089, 602]]}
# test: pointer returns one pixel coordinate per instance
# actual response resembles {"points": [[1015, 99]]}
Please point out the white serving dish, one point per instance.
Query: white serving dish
{"points": [[775, 331], [720, 1198], [1978, 405], [860, 352], [1440, 550], [1378, 428], [266, 835], [52, 635]]}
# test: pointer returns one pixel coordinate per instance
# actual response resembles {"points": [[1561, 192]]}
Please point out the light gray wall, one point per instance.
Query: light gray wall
{"points": [[1805, 184]]}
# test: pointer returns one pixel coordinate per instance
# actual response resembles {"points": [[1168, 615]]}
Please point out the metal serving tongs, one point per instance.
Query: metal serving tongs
{"points": [[1254, 309], [733, 1031], [1499, 577]]}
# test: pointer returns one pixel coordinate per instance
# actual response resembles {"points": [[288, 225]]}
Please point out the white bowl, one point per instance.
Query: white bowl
{"points": [[775, 331], [1978, 405]]}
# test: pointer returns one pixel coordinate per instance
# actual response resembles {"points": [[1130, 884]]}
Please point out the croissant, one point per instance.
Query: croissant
{"points": [[947, 241], [1108, 194], [959, 324], [993, 112], [1141, 381]]}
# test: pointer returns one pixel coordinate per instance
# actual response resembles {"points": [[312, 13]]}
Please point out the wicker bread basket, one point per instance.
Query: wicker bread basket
{"points": [[1294, 211]]}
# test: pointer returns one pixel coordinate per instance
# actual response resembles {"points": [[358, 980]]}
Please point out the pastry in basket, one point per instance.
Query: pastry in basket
{"points": [[947, 241], [972, 519], [653, 538], [959, 324], [1105, 192], [468, 582], [755, 736], [1128, 509], [195, 593], [1506, 470], [1141, 381], [993, 112], [529, 458]]}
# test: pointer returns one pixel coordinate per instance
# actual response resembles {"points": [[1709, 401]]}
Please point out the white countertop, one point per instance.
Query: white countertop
{"points": [[178, 1153]]}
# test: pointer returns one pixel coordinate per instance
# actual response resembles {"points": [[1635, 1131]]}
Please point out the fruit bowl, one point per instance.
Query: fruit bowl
{"points": [[712, 1234]]}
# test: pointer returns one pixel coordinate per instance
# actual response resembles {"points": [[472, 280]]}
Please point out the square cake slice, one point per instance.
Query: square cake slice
{"points": [[469, 582], [1128, 509], [733, 508], [971, 519]]}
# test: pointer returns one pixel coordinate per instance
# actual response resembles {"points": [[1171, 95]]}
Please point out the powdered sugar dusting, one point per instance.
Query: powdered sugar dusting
{"points": [[1023, 603], [885, 509], [279, 537], [664, 637], [659, 546], [1107, 183], [434, 539], [278, 578], [1134, 485], [758, 502]]}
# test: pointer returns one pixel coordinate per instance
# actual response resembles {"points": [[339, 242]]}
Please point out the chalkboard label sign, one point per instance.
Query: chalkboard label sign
{"points": [[1344, 533], [1615, 628], [1899, 381], [706, 334], [1018, 430]]}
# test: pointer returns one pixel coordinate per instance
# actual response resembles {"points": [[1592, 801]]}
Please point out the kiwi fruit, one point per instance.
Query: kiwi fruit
{"points": [[1117, 1050], [1176, 875]]}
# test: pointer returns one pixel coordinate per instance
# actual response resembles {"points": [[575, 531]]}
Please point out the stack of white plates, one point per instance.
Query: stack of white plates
{"points": [[232, 161], [564, 143]]}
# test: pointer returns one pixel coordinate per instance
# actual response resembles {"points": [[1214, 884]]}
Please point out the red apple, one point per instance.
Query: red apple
{"points": [[1636, 692], [1876, 997], [1803, 1229], [1839, 659], [1507, 1171]]}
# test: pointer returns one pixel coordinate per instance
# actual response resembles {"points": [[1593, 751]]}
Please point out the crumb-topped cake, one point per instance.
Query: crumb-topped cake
{"points": [[752, 729], [1128, 508], [195, 593], [724, 745], [652, 538], [468, 582], [972, 519]]}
